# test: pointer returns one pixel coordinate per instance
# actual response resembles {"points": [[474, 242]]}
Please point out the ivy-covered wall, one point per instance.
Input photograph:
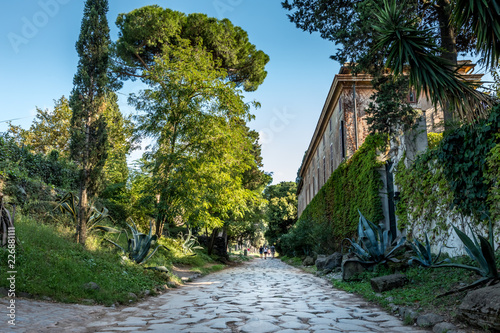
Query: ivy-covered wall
{"points": [[455, 181], [332, 215]]}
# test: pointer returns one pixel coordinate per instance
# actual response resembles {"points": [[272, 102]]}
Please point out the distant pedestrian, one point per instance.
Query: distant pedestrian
{"points": [[265, 252], [273, 251], [261, 251]]}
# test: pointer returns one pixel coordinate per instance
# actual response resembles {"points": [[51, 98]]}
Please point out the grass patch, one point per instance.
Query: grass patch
{"points": [[49, 263], [420, 294]]}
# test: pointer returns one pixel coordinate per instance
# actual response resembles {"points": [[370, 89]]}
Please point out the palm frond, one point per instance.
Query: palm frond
{"points": [[412, 51], [484, 19]]}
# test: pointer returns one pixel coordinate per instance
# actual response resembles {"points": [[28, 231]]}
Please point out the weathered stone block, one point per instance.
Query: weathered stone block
{"points": [[320, 262], [333, 261], [429, 319], [308, 261], [481, 308], [388, 282], [351, 269]]}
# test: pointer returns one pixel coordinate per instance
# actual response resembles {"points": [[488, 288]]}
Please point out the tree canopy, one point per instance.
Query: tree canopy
{"points": [[88, 143], [424, 37], [146, 33], [202, 152], [281, 210]]}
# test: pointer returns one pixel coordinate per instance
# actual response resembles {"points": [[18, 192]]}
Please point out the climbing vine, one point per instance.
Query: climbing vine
{"points": [[424, 191], [333, 215], [460, 174], [463, 155]]}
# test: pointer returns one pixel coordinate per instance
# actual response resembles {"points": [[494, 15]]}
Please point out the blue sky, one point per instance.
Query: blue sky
{"points": [[39, 61]]}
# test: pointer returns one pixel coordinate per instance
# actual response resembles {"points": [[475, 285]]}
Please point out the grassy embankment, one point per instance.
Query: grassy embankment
{"points": [[50, 264]]}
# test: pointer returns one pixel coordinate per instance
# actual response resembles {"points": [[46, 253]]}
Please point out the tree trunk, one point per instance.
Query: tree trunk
{"points": [[211, 242], [81, 232], [84, 183], [449, 46]]}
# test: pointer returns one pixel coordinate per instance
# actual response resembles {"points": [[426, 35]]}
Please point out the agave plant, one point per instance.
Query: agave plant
{"points": [[375, 243], [424, 257], [188, 242], [139, 244], [69, 203], [482, 253]]}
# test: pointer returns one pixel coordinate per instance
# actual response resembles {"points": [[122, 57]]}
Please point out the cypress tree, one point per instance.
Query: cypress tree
{"points": [[88, 100]]}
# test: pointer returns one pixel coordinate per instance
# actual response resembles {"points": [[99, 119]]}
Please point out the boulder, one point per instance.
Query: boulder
{"points": [[333, 261], [132, 297], [320, 262], [445, 327], [329, 263], [351, 269], [429, 319], [91, 286], [308, 261], [481, 308], [388, 282], [408, 314]]}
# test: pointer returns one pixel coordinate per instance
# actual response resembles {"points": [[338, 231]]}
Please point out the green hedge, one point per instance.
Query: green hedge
{"points": [[333, 215]]}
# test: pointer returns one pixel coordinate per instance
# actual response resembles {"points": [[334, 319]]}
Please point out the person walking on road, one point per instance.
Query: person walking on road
{"points": [[273, 251], [265, 252], [261, 251]]}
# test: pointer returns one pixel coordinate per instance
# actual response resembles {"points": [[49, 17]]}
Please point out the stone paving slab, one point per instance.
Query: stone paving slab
{"points": [[257, 297]]}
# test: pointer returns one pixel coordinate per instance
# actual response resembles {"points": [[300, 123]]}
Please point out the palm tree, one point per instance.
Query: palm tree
{"points": [[410, 50]]}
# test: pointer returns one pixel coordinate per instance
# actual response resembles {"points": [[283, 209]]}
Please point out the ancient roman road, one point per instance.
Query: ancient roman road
{"points": [[259, 296]]}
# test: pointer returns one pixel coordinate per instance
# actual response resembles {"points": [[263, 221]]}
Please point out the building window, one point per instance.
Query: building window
{"points": [[318, 178], [324, 170], [340, 104], [342, 139], [412, 96], [314, 187], [331, 157], [330, 124]]}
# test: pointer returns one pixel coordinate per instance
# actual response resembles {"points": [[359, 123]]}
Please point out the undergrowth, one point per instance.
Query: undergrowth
{"points": [[50, 264]]}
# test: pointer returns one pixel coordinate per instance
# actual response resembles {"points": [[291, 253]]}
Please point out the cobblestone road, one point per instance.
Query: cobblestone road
{"points": [[258, 297]]}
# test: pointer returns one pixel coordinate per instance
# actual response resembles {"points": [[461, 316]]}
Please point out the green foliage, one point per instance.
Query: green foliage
{"points": [[390, 112], [52, 265], [69, 204], [375, 244], [425, 257], [332, 214], [88, 142], [281, 212], [49, 131], [91, 85], [463, 153], [461, 172], [413, 51], [146, 32], [492, 176], [433, 139], [139, 245], [197, 119], [483, 255], [424, 191], [189, 242], [19, 165], [483, 17]]}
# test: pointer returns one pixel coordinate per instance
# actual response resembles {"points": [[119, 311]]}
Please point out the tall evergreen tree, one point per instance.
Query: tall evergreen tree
{"points": [[88, 127]]}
